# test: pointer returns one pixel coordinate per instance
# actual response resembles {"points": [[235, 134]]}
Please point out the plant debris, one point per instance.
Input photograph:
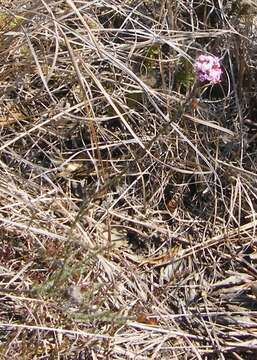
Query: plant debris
{"points": [[128, 188]]}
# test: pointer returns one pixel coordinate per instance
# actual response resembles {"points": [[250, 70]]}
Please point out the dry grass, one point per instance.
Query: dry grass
{"points": [[128, 192]]}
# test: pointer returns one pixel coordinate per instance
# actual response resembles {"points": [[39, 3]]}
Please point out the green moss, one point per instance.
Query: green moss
{"points": [[184, 76], [151, 56], [8, 22], [25, 51]]}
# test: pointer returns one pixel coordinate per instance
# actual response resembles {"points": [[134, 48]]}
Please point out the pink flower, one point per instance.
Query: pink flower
{"points": [[207, 68]]}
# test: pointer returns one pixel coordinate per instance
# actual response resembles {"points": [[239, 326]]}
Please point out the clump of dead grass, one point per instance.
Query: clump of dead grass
{"points": [[128, 194]]}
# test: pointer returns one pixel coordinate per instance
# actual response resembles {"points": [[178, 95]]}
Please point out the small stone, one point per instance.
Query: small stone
{"points": [[74, 295]]}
